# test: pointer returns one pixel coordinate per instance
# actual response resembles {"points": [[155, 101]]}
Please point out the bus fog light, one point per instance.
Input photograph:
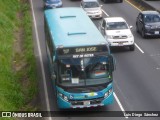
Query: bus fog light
{"points": [[110, 91], [106, 94], [65, 98]]}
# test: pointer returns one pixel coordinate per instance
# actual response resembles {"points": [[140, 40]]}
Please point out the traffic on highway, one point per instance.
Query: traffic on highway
{"points": [[118, 72]]}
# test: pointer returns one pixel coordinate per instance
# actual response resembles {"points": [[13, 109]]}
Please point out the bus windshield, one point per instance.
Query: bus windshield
{"points": [[84, 71]]}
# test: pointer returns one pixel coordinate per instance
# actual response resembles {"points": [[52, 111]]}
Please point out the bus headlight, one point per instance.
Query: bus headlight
{"points": [[60, 94], [108, 93], [63, 96]]}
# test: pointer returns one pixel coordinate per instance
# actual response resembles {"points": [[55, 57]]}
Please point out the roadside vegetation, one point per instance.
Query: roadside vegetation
{"points": [[139, 5], [18, 85]]}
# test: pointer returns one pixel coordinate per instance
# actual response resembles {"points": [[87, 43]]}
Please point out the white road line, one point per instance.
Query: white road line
{"points": [[139, 48], [105, 13], [119, 103], [41, 61], [114, 94]]}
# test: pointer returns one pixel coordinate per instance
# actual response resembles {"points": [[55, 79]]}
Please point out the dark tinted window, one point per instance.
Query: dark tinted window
{"points": [[149, 18]]}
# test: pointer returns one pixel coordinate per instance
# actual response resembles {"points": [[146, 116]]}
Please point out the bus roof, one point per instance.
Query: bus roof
{"points": [[74, 28]]}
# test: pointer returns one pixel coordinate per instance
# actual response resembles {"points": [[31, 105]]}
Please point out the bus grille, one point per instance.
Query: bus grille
{"points": [[92, 102]]}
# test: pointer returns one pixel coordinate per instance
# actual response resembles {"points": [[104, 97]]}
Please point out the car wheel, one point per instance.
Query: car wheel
{"points": [[137, 29], [143, 33], [132, 47]]}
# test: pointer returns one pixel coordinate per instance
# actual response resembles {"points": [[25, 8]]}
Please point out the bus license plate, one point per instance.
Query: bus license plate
{"points": [[86, 103], [156, 32]]}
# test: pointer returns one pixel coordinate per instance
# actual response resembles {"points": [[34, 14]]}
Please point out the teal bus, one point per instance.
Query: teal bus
{"points": [[79, 58]]}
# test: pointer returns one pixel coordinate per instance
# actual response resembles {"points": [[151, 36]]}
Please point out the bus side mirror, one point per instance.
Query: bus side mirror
{"points": [[53, 68], [54, 58], [112, 63], [53, 76]]}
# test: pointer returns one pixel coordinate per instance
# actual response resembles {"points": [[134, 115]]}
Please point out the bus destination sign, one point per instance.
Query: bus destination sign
{"points": [[82, 50]]}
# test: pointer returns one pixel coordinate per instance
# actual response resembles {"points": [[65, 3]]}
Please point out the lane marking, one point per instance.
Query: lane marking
{"points": [[105, 13], [41, 61], [139, 48], [114, 94], [133, 5], [120, 105]]}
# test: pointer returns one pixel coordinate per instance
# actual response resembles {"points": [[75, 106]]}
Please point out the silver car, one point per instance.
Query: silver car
{"points": [[92, 8]]}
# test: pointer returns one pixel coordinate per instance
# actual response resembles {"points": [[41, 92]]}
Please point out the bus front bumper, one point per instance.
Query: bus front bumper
{"points": [[62, 104]]}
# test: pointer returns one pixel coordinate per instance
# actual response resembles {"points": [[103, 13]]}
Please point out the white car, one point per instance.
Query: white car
{"points": [[92, 8], [117, 32]]}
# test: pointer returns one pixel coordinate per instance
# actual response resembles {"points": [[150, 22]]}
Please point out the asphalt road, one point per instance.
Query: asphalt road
{"points": [[136, 79]]}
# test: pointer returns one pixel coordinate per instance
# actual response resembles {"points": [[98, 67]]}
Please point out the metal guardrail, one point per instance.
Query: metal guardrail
{"points": [[146, 5]]}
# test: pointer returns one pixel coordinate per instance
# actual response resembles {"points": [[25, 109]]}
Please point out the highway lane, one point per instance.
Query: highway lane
{"points": [[131, 66], [40, 51], [137, 74], [135, 65]]}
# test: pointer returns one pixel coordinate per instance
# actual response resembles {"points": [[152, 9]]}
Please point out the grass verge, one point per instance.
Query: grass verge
{"points": [[140, 5], [18, 85]]}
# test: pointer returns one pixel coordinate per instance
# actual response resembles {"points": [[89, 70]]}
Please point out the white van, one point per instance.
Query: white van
{"points": [[92, 8]]}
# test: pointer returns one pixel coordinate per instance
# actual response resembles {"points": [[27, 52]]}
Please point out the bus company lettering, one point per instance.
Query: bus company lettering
{"points": [[88, 49], [83, 55], [29, 114]]}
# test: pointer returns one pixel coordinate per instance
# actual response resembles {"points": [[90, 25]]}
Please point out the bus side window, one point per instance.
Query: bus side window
{"points": [[49, 41]]}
